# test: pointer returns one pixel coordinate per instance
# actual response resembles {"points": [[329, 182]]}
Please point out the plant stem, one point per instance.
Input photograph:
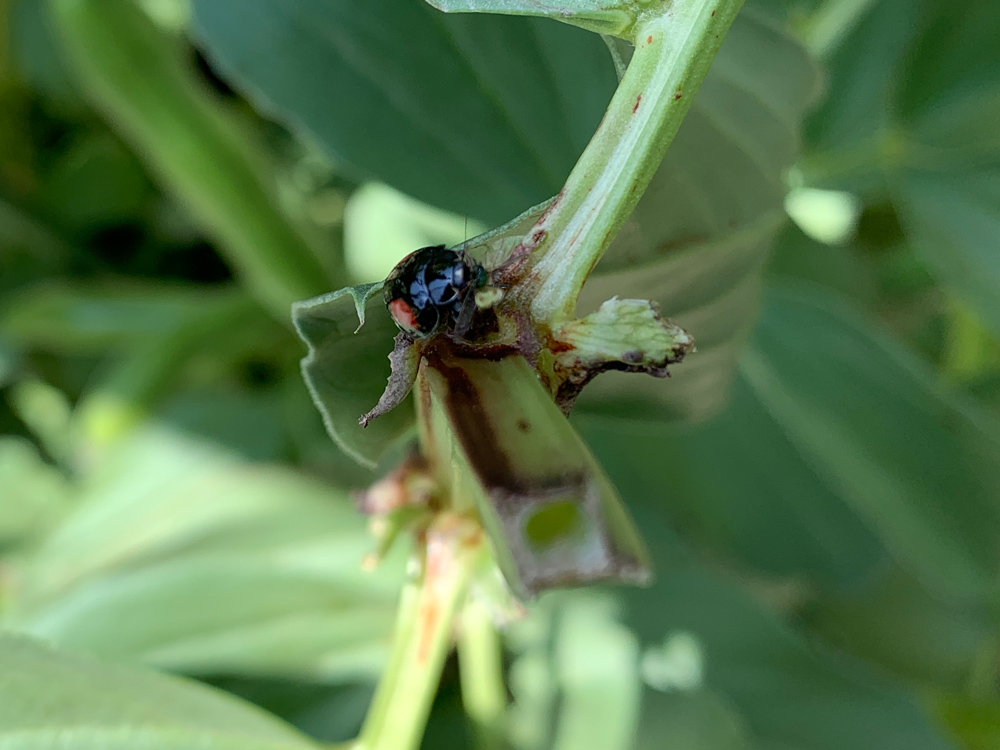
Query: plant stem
{"points": [[422, 638], [675, 44], [484, 693]]}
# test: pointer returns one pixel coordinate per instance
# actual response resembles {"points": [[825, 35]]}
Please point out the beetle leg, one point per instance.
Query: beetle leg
{"points": [[464, 320]]}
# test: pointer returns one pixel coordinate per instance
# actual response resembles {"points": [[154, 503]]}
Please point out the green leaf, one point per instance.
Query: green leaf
{"points": [[480, 115], [924, 473], [781, 690], [36, 56], [596, 659], [901, 626], [574, 649], [741, 680], [975, 723], [96, 183], [184, 557], [50, 699], [912, 113], [601, 16], [700, 720], [72, 317], [349, 334], [33, 494]]}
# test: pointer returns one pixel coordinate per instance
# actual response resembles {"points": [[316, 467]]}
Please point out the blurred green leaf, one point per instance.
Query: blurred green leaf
{"points": [[976, 724], [596, 659], [49, 699], [924, 473], [480, 115], [699, 720], [33, 494], [69, 317], [30, 249], [834, 433], [780, 690], [137, 76], [185, 557], [899, 625], [36, 56], [96, 183], [739, 484], [46, 412], [382, 225], [913, 109], [753, 682], [574, 678]]}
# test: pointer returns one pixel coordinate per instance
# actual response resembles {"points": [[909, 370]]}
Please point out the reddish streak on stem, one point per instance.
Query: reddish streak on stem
{"points": [[649, 40], [437, 560], [429, 614], [637, 100]]}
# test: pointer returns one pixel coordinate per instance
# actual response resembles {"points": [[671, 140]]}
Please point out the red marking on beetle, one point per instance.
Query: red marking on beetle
{"points": [[637, 100], [649, 40], [403, 314]]}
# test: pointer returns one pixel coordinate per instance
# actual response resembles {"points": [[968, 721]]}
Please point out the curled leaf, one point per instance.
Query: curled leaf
{"points": [[629, 335], [346, 368], [403, 359]]}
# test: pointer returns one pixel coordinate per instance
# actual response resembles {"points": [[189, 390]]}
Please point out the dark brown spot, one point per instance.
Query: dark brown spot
{"points": [[678, 95], [637, 100], [633, 357], [523, 425]]}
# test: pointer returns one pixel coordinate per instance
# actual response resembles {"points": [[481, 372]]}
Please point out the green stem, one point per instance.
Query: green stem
{"points": [[484, 693], [136, 74], [427, 613], [674, 48]]}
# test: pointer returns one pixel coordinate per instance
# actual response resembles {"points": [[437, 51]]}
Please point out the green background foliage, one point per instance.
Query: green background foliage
{"points": [[819, 484]]}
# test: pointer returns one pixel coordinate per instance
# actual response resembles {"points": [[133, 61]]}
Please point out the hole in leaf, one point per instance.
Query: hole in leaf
{"points": [[554, 523]]}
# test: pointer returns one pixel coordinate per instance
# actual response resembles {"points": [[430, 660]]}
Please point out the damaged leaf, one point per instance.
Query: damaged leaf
{"points": [[629, 335], [403, 360], [505, 450], [346, 368]]}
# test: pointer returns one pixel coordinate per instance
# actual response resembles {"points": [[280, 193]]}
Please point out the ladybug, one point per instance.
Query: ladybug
{"points": [[432, 289]]}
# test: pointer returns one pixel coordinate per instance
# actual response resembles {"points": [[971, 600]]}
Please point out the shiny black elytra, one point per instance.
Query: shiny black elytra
{"points": [[433, 289]]}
